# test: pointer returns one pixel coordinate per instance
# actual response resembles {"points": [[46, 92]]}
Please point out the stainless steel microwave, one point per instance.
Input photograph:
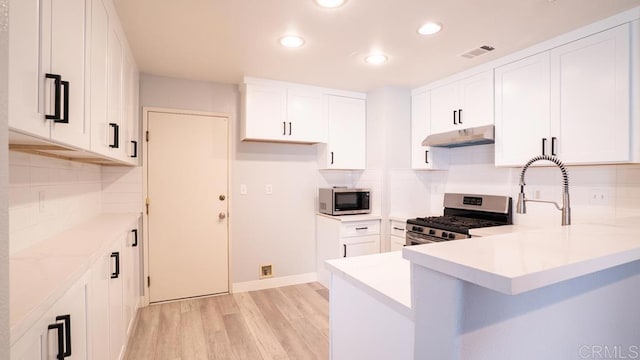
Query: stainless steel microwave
{"points": [[344, 201]]}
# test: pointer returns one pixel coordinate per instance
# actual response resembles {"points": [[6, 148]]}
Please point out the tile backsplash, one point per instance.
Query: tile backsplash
{"points": [[47, 196]]}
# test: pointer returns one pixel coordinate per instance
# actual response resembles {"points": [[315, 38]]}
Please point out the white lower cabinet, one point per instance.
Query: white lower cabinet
{"points": [[61, 329], [342, 236], [397, 238], [113, 299], [99, 309]]}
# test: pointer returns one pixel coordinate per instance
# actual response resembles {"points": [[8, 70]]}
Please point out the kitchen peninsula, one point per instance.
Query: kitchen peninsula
{"points": [[538, 293]]}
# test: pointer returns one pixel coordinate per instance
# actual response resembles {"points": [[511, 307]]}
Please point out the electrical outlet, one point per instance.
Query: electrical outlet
{"points": [[268, 189], [243, 189], [266, 271], [599, 196]]}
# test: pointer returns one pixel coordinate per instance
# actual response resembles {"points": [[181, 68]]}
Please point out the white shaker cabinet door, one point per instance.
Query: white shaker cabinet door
{"points": [[265, 113], [444, 101], [361, 245], [522, 98], [476, 100], [424, 157], [590, 98], [306, 115], [26, 108], [347, 133], [67, 59], [99, 78]]}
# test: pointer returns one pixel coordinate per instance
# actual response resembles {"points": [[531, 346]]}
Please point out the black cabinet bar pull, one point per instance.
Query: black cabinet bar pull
{"points": [[65, 104], [135, 148], [116, 256], [284, 128], [57, 83], [544, 145], [454, 117], [116, 135], [345, 250], [362, 228], [397, 228], [553, 145], [67, 333], [332, 158], [59, 328], [135, 237], [426, 156], [459, 116], [289, 127]]}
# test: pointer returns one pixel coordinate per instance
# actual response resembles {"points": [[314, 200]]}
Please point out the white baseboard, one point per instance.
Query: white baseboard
{"points": [[273, 282]]}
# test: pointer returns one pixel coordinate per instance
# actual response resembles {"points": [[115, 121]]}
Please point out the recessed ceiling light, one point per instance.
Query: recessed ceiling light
{"points": [[429, 28], [376, 59], [291, 41], [330, 3]]}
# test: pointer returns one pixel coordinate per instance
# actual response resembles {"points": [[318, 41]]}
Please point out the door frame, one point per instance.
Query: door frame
{"points": [[145, 218]]}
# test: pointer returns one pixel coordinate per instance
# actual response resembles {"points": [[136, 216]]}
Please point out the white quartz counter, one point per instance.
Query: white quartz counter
{"points": [[520, 261], [499, 230], [350, 218], [385, 276], [41, 274]]}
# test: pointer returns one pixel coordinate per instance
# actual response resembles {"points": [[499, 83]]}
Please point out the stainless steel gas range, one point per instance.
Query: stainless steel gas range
{"points": [[462, 212]]}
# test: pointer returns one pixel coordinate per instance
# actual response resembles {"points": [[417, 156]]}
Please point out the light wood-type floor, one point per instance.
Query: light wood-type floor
{"points": [[284, 323]]}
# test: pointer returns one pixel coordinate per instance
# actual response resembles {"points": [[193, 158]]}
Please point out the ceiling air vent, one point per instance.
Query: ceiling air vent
{"points": [[477, 52]]}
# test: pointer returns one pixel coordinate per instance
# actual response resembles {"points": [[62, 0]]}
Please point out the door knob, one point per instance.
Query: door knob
{"points": [[222, 197], [222, 215]]}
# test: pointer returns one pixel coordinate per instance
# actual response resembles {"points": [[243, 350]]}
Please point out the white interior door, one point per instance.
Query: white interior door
{"points": [[187, 165]]}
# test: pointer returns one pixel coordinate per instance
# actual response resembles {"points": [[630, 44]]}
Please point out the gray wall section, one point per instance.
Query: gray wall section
{"points": [[277, 229]]}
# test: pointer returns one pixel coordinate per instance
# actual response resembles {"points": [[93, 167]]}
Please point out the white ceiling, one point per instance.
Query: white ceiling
{"points": [[223, 40]]}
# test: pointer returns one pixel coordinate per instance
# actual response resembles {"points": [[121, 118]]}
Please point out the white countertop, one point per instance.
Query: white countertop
{"points": [[520, 261], [41, 274], [350, 218], [384, 276], [499, 230]]}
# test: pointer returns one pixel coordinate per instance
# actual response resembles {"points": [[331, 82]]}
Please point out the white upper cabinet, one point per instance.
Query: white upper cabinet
{"points": [[424, 157], [72, 81], [571, 102], [307, 115], [590, 95], [114, 88], [463, 104], [522, 110], [281, 112], [47, 70], [346, 148]]}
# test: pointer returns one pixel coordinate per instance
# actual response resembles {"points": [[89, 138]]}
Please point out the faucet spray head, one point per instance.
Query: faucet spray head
{"points": [[521, 207]]}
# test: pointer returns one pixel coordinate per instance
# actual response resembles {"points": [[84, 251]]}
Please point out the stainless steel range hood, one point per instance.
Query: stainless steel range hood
{"points": [[467, 137]]}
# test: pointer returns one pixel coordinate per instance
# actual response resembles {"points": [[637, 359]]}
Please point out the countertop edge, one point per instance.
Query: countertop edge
{"points": [[375, 293]]}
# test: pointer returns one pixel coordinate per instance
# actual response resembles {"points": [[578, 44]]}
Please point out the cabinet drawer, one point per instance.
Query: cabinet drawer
{"points": [[398, 228], [360, 228]]}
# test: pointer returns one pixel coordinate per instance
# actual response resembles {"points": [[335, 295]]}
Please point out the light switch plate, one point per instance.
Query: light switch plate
{"points": [[243, 189]]}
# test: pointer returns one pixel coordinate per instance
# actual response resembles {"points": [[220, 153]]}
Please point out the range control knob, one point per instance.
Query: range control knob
{"points": [[452, 236], [432, 232], [444, 234]]}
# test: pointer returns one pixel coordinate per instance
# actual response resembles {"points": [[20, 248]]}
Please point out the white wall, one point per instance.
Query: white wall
{"points": [[277, 229], [4, 220], [48, 196], [472, 171]]}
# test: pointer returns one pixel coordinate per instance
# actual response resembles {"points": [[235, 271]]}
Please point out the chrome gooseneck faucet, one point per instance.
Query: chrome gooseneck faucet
{"points": [[566, 207]]}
